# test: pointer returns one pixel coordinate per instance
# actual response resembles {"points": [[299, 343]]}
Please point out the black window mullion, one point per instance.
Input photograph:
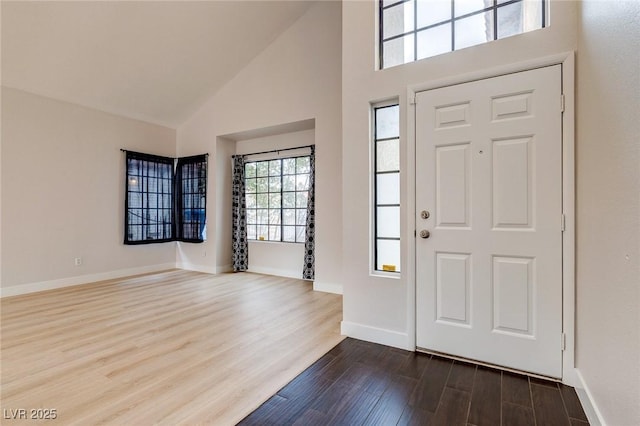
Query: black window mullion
{"points": [[145, 205], [415, 27], [495, 19], [453, 25], [380, 34], [281, 201], [157, 190], [389, 6], [391, 138]]}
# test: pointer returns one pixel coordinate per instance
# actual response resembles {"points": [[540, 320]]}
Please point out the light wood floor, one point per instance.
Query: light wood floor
{"points": [[171, 348]]}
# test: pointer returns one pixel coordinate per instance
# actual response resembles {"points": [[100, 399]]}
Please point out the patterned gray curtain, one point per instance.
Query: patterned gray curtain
{"points": [[309, 270], [240, 257]]}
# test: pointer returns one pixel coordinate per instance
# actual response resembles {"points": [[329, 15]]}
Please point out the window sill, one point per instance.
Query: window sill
{"points": [[272, 242], [385, 274]]}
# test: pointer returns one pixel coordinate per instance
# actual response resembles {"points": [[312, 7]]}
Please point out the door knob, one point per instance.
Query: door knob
{"points": [[424, 234]]}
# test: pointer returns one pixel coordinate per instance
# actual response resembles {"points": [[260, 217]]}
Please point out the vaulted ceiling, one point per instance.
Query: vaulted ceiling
{"points": [[151, 60]]}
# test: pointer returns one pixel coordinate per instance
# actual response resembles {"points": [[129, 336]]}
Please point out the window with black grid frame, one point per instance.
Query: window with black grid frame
{"points": [[277, 193], [191, 198], [149, 199], [387, 188], [410, 30], [164, 202]]}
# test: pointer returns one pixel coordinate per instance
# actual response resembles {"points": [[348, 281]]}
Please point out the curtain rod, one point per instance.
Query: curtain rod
{"points": [[278, 150], [126, 150]]}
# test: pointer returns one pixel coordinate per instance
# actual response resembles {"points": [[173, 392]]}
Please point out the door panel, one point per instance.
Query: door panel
{"points": [[513, 294], [452, 287], [512, 178], [488, 168], [452, 185]]}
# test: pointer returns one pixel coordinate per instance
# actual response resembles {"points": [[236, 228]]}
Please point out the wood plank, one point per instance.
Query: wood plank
{"points": [[572, 403], [485, 398], [305, 385], [453, 408], [576, 422], [392, 403], [310, 380], [393, 360], [343, 348], [299, 398], [517, 415], [543, 382], [354, 408], [331, 398], [368, 353], [462, 376], [335, 369], [431, 385], [548, 406], [312, 418], [172, 347], [366, 378], [267, 413], [515, 389], [415, 416], [414, 365]]}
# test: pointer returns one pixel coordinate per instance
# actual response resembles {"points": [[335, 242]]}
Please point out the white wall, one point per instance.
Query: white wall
{"points": [[608, 206], [297, 78], [63, 192], [225, 148], [375, 307]]}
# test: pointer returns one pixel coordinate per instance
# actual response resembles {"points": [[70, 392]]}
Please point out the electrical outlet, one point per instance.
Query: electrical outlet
{"points": [[78, 261]]}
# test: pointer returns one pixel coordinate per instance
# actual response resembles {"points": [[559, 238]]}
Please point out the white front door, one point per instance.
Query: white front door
{"points": [[489, 178]]}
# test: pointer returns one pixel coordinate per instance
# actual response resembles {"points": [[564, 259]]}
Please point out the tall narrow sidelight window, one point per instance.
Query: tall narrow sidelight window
{"points": [[415, 29], [387, 188]]}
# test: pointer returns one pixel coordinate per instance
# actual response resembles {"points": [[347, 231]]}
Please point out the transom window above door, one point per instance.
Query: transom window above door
{"points": [[416, 29]]}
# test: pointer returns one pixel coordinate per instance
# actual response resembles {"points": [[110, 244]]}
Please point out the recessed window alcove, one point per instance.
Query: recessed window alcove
{"points": [[268, 257]]}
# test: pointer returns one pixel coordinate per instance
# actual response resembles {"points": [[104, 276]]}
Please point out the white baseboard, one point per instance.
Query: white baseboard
{"points": [[327, 287], [588, 403], [207, 269], [221, 269], [17, 290], [275, 271], [376, 335]]}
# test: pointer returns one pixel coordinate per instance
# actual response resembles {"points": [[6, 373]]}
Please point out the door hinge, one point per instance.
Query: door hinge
{"points": [[563, 222], [562, 102], [413, 99], [563, 341]]}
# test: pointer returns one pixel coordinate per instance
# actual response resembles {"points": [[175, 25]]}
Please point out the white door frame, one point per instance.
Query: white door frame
{"points": [[568, 192]]}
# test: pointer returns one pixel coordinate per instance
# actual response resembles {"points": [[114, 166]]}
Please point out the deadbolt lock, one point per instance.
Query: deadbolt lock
{"points": [[424, 214], [424, 234]]}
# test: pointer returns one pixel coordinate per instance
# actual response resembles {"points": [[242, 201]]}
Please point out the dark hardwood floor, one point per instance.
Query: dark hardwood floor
{"points": [[361, 383]]}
